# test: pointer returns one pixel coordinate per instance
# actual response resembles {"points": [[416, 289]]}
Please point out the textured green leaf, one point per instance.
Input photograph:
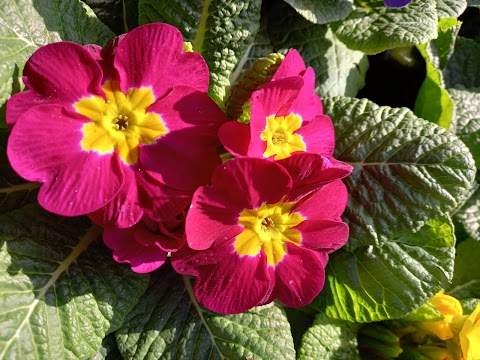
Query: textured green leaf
{"points": [[60, 290], [387, 281], [465, 282], [108, 349], [322, 12], [407, 170], [339, 70], [220, 30], [167, 323], [463, 68], [426, 312], [373, 28], [15, 192], [25, 25], [110, 12], [469, 215], [442, 48], [329, 339], [451, 8], [467, 118]]}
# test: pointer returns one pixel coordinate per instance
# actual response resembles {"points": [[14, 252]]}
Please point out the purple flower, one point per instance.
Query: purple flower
{"points": [[396, 3]]}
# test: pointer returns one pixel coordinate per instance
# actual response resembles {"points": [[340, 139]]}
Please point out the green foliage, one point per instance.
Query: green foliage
{"points": [[451, 8], [465, 282], [25, 25], [373, 28], [329, 339], [469, 215], [322, 12], [338, 70], [60, 290], [220, 30], [426, 312], [167, 323], [463, 68]]}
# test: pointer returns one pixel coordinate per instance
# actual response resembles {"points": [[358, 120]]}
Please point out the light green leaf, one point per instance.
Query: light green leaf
{"points": [[406, 170], [391, 279], [220, 30], [25, 25], [463, 68], [451, 8], [373, 28], [329, 339], [469, 215], [467, 118], [60, 290], [322, 12], [15, 192], [339, 70], [465, 282], [168, 323], [426, 312], [442, 48]]}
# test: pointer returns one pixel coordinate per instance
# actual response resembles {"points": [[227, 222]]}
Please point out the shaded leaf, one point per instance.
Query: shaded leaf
{"points": [[465, 282], [322, 12], [463, 68], [451, 8]]}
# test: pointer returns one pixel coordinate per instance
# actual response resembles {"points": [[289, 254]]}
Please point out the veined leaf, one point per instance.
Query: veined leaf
{"points": [[451, 8], [373, 28], [465, 282], [469, 215], [108, 349], [338, 70], [168, 323], [322, 12], [60, 290], [25, 25], [220, 30], [463, 68], [329, 339]]}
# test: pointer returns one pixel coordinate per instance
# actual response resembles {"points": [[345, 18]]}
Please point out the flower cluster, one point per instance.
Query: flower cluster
{"points": [[128, 136]]}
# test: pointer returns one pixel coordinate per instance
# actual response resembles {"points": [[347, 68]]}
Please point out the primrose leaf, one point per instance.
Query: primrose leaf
{"points": [[15, 192], [463, 68], [467, 118], [329, 339], [451, 8], [469, 215], [373, 28], [465, 282], [26, 25], [391, 279], [60, 290], [110, 12], [108, 350], [426, 312], [322, 12], [220, 30], [168, 323], [339, 70]]}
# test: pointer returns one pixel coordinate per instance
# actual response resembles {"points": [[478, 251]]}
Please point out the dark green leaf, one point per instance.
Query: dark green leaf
{"points": [[465, 282], [168, 323], [108, 350], [463, 68], [60, 290], [322, 12]]}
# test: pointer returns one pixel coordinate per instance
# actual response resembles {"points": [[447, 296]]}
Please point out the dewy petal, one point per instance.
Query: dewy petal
{"points": [[299, 277], [291, 65], [152, 55], [23, 101], [319, 135], [235, 137], [63, 71], [225, 283]]}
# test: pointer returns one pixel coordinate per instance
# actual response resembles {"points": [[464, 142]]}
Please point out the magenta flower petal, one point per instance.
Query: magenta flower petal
{"points": [[307, 103], [327, 203], [299, 277], [291, 65], [319, 135], [152, 55], [311, 171], [235, 137], [23, 101], [63, 71], [326, 235], [226, 283]]}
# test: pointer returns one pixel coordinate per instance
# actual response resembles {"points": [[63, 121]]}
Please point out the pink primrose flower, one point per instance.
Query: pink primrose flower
{"points": [[254, 236], [110, 130]]}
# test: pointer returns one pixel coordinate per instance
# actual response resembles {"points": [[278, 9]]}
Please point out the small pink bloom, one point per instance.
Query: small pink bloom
{"points": [[108, 130], [286, 117], [254, 235]]}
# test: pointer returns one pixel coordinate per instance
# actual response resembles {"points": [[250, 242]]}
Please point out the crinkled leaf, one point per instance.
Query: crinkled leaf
{"points": [[474, 3], [442, 48], [322, 12], [60, 290], [467, 118], [373, 28], [469, 305], [25, 25], [329, 339], [406, 170], [463, 68], [15, 192], [220, 30], [110, 12], [167, 323], [339, 70], [108, 349], [465, 282], [469, 215], [451, 8], [426, 312]]}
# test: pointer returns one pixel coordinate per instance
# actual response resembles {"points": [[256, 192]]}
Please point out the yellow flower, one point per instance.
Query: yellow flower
{"points": [[451, 309], [470, 336]]}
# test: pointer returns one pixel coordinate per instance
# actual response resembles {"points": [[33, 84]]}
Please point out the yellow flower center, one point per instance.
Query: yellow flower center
{"points": [[120, 122], [280, 137], [268, 228]]}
